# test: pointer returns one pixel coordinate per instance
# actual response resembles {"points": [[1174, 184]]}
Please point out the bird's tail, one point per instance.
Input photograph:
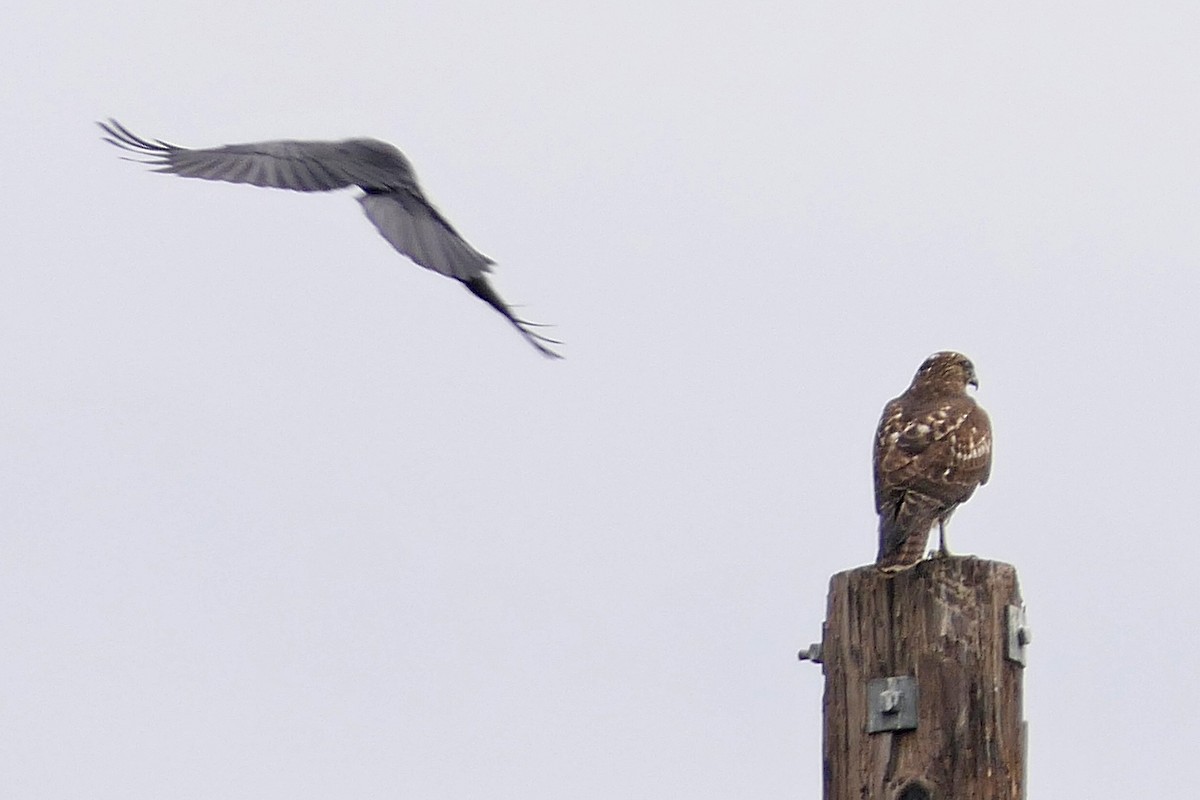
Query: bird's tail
{"points": [[904, 530]]}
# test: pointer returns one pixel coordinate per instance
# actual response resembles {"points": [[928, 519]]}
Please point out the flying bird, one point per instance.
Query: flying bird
{"points": [[393, 199], [933, 448]]}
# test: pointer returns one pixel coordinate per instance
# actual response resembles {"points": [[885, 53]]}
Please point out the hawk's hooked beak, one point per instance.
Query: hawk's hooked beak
{"points": [[973, 381]]}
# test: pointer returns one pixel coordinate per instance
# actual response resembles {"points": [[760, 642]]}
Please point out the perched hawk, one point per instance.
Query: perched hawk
{"points": [[393, 200], [933, 447]]}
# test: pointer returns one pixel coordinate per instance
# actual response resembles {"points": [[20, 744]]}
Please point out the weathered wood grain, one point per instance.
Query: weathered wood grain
{"points": [[944, 622]]}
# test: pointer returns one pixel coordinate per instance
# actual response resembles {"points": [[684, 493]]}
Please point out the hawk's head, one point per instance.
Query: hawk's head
{"points": [[945, 372]]}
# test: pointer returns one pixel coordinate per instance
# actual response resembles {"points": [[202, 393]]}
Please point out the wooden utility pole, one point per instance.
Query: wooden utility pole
{"points": [[923, 672]]}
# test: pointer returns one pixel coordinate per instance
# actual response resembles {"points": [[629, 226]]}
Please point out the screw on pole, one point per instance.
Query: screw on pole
{"points": [[812, 653]]}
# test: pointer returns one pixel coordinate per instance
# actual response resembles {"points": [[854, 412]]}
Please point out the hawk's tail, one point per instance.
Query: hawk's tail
{"points": [[904, 532]]}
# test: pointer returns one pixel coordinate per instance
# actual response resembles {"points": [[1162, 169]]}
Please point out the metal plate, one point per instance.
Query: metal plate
{"points": [[1018, 633], [892, 704]]}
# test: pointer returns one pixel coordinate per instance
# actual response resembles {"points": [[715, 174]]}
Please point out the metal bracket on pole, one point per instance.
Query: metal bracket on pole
{"points": [[892, 704], [1019, 634]]}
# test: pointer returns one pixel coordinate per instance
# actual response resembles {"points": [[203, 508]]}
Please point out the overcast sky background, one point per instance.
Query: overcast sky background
{"points": [[285, 516]]}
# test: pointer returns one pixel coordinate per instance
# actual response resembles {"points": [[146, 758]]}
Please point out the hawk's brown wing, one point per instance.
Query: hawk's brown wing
{"points": [[929, 457]]}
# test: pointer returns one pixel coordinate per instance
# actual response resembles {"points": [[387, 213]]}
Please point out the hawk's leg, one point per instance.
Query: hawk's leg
{"points": [[942, 552]]}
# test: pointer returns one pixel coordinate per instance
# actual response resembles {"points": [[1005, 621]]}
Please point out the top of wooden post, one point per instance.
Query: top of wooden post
{"points": [[942, 626]]}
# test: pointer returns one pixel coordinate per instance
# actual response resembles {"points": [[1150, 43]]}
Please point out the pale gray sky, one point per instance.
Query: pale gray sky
{"points": [[285, 516]]}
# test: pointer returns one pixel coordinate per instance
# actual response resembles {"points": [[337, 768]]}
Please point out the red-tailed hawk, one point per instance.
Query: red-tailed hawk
{"points": [[393, 200], [932, 449]]}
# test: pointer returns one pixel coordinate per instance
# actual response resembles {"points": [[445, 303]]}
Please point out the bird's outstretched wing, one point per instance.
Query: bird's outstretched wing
{"points": [[393, 201], [418, 230], [295, 165], [481, 287]]}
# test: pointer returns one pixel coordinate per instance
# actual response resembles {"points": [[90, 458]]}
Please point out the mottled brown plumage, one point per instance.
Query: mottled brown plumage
{"points": [[932, 449]]}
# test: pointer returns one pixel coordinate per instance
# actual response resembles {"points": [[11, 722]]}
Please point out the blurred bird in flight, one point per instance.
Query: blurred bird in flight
{"points": [[393, 199]]}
